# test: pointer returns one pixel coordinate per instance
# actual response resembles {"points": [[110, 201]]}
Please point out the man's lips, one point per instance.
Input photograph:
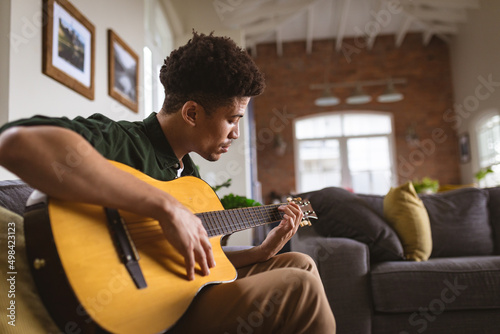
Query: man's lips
{"points": [[225, 147]]}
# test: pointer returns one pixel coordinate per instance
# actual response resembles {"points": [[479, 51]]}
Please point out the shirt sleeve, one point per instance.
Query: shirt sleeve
{"points": [[101, 132]]}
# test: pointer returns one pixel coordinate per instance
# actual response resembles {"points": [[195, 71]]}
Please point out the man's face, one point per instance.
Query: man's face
{"points": [[217, 131]]}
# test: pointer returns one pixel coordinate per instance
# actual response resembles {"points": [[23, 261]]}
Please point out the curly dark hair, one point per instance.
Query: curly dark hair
{"points": [[211, 71]]}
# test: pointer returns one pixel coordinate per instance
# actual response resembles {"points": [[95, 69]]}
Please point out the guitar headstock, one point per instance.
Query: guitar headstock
{"points": [[306, 208]]}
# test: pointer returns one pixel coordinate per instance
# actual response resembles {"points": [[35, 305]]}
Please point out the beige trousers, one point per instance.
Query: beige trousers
{"points": [[282, 295]]}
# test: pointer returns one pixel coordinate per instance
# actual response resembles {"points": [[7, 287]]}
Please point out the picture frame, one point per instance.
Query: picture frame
{"points": [[464, 148], [68, 47], [123, 72]]}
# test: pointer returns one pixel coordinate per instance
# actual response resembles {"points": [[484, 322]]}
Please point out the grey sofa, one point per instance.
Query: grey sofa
{"points": [[14, 194], [372, 289]]}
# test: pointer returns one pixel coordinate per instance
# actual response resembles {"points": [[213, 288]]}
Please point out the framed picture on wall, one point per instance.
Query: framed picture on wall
{"points": [[123, 72], [68, 49], [464, 147]]}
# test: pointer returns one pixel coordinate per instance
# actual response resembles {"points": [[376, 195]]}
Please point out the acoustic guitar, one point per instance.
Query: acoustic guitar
{"points": [[101, 270]]}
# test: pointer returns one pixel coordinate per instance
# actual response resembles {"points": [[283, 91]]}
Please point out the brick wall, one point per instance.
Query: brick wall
{"points": [[428, 95]]}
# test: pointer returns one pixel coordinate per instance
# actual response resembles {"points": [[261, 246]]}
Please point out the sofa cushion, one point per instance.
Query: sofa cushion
{"points": [[494, 211], [406, 213], [343, 214], [465, 283], [459, 222], [14, 194], [374, 202]]}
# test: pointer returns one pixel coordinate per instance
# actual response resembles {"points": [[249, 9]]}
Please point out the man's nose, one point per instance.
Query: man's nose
{"points": [[235, 134]]}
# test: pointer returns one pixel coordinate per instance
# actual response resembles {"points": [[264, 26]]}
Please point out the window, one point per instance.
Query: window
{"points": [[159, 42], [488, 139], [349, 150]]}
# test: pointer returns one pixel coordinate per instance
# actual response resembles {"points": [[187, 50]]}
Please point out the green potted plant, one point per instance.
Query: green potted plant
{"points": [[426, 185], [481, 174], [232, 201]]}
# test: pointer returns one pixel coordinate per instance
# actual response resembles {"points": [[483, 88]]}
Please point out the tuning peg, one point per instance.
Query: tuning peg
{"points": [[305, 223]]}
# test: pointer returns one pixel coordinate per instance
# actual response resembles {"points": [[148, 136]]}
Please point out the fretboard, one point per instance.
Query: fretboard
{"points": [[228, 221]]}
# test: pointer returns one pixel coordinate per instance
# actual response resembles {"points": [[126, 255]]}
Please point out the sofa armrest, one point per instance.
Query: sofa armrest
{"points": [[344, 266]]}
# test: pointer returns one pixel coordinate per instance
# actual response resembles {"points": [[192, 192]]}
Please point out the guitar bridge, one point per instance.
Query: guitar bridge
{"points": [[125, 247]]}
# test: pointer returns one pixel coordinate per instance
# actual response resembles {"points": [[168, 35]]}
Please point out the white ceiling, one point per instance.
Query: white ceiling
{"points": [[286, 20]]}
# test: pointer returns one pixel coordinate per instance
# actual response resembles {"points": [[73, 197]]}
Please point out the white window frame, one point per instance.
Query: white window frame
{"points": [[159, 40], [345, 173], [482, 120]]}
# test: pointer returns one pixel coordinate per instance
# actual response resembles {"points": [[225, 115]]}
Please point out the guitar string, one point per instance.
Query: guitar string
{"points": [[236, 217], [242, 219], [247, 223], [148, 232]]}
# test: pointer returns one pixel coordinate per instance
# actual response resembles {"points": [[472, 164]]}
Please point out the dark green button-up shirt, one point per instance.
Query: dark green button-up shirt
{"points": [[141, 145]]}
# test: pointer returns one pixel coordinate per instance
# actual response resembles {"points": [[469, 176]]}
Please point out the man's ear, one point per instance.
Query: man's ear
{"points": [[190, 112]]}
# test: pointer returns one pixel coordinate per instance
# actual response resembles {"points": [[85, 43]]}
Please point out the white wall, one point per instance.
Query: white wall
{"points": [[4, 59], [31, 92], [475, 54]]}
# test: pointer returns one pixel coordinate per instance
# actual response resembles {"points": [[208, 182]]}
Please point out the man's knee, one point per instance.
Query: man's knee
{"points": [[299, 260]]}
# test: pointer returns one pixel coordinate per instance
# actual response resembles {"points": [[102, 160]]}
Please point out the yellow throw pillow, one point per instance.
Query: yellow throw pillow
{"points": [[406, 214]]}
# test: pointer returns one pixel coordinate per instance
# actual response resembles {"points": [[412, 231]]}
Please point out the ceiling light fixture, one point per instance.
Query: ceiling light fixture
{"points": [[358, 96], [390, 94], [327, 99]]}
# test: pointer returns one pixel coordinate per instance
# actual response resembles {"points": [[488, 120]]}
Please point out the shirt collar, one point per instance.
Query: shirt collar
{"points": [[163, 151]]}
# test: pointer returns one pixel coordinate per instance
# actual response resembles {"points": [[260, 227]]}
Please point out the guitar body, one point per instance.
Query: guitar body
{"points": [[85, 285]]}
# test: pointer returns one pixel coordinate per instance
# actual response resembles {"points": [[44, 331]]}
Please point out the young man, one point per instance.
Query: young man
{"points": [[208, 84]]}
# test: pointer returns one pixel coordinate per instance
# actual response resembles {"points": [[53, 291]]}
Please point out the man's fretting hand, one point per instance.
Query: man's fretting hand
{"points": [[281, 234]]}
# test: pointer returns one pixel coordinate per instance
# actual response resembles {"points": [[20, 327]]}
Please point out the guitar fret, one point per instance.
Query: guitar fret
{"points": [[277, 215], [246, 219], [255, 218], [222, 229], [250, 217], [225, 220], [203, 221], [268, 219], [209, 219], [236, 220], [218, 216], [210, 226], [265, 215]]}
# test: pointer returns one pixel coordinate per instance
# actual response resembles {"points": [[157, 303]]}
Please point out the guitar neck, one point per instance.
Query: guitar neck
{"points": [[233, 220]]}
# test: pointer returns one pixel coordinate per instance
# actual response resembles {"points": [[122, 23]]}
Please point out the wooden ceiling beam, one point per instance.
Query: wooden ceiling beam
{"points": [[343, 13], [244, 18], [309, 32], [403, 30], [458, 15], [443, 3], [279, 41], [371, 39]]}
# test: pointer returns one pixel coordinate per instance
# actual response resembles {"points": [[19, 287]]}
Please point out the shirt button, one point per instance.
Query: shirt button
{"points": [[177, 166]]}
